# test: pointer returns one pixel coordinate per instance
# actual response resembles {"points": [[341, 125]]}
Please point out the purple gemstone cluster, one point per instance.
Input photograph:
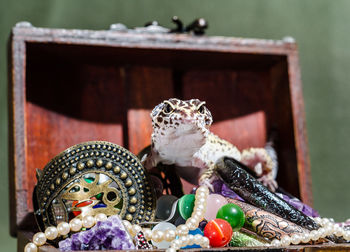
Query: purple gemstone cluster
{"points": [[106, 235]]}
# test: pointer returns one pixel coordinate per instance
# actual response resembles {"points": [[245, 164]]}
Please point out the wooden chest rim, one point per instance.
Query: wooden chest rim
{"points": [[129, 39]]}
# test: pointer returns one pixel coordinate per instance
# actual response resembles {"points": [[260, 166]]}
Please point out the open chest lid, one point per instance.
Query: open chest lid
{"points": [[71, 86]]}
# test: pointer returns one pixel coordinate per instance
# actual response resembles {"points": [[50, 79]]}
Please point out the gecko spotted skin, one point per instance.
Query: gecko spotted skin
{"points": [[181, 136]]}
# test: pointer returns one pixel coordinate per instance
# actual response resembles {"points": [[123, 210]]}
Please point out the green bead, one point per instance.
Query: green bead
{"points": [[185, 205], [233, 214]]}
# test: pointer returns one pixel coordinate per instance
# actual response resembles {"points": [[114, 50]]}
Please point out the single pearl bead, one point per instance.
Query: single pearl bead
{"points": [[197, 239], [202, 189], [182, 230], [285, 241], [193, 219], [51, 233], [328, 229], [317, 220], [338, 231], [347, 235], [201, 201], [295, 238], [324, 221], [157, 235], [88, 221], [30, 247], [100, 217], [169, 235], [176, 244], [135, 230], [127, 225], [305, 238], [148, 233], [75, 225], [39, 239], [314, 235], [198, 216], [322, 232], [205, 242], [63, 228], [200, 207], [190, 239], [184, 241], [275, 243], [201, 195], [192, 224]]}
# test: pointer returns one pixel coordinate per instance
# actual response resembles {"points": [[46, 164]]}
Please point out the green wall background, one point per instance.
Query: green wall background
{"points": [[321, 27]]}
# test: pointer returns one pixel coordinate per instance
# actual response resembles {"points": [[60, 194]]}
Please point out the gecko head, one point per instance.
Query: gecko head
{"points": [[181, 117]]}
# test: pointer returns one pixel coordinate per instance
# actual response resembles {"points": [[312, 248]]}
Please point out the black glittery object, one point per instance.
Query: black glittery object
{"points": [[253, 192], [141, 242]]}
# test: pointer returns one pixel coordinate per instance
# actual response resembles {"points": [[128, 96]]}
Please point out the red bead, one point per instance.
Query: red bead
{"points": [[219, 232]]}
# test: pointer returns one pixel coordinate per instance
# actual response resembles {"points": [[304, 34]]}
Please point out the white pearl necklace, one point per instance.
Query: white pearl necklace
{"points": [[88, 221], [192, 223], [328, 227], [51, 233]]}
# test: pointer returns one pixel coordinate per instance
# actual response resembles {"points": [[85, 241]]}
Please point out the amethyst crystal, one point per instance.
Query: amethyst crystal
{"points": [[221, 188], [105, 235]]}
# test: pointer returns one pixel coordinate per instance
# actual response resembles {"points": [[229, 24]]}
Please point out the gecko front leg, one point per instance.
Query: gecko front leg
{"points": [[208, 177]]}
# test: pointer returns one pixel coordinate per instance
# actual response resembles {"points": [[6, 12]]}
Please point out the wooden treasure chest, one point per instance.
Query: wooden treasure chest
{"points": [[72, 86]]}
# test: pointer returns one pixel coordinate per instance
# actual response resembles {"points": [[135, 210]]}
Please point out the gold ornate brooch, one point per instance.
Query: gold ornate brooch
{"points": [[91, 178]]}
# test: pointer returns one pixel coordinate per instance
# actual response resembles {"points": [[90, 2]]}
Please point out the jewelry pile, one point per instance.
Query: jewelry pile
{"points": [[104, 183], [217, 232]]}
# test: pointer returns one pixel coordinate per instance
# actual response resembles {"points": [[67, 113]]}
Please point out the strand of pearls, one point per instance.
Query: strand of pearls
{"points": [[89, 221], [62, 229], [328, 227], [192, 223], [188, 240]]}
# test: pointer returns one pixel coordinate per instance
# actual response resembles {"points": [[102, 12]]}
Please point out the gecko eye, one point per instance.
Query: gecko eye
{"points": [[201, 109], [168, 108]]}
